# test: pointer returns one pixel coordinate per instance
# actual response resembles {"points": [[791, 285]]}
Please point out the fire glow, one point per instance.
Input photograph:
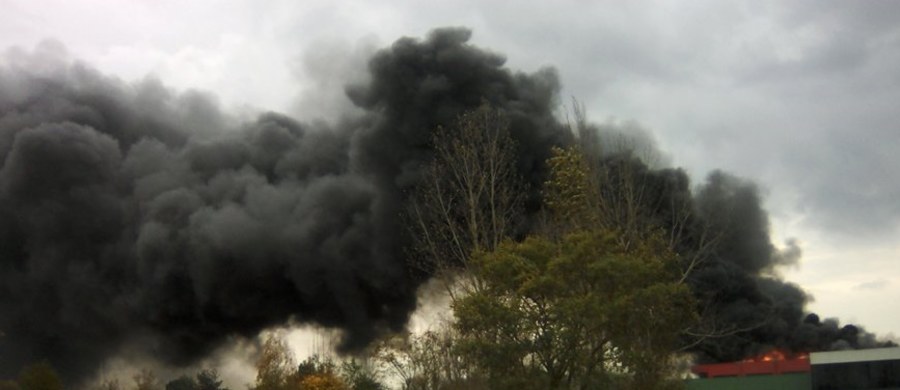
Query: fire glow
{"points": [[773, 362]]}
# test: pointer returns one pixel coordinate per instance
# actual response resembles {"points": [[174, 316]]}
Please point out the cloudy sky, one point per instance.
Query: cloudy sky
{"points": [[801, 97]]}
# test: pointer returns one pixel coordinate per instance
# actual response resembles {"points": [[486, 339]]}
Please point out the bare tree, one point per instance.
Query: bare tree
{"points": [[427, 361], [632, 198], [470, 193]]}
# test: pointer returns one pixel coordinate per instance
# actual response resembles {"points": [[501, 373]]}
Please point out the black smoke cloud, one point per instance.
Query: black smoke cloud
{"points": [[756, 310], [134, 216], [720, 225]]}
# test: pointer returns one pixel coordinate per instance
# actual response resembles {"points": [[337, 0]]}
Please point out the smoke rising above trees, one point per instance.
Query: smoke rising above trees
{"points": [[131, 215]]}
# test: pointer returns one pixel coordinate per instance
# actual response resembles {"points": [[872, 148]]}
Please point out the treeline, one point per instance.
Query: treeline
{"points": [[276, 371], [42, 376]]}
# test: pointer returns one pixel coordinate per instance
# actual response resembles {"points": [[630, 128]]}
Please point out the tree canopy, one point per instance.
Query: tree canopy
{"points": [[576, 308], [575, 313]]}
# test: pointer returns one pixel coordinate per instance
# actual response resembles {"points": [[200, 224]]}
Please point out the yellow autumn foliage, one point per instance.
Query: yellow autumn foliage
{"points": [[323, 381]]}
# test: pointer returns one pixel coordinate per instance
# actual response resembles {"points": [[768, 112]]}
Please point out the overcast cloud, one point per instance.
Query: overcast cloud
{"points": [[801, 97]]}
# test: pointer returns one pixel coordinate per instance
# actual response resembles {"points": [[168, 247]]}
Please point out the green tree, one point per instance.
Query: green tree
{"points": [[360, 377], [183, 382], [579, 306], [40, 376], [638, 198], [208, 379], [315, 364], [571, 196], [573, 313]]}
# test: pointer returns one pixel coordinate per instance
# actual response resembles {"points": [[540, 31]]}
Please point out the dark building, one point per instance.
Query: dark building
{"points": [[859, 369]]}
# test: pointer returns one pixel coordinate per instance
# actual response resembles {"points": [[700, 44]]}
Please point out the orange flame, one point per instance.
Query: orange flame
{"points": [[777, 355], [771, 355]]}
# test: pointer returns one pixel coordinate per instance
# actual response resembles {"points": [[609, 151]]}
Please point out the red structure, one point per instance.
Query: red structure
{"points": [[771, 363]]}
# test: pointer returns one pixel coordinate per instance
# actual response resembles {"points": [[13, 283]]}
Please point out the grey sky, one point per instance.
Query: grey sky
{"points": [[801, 97]]}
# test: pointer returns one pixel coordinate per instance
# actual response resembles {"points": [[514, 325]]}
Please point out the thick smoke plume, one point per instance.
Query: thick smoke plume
{"points": [[721, 234], [132, 215]]}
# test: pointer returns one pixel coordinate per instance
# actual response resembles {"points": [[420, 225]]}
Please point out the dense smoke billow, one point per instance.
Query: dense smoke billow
{"points": [[721, 234], [132, 215]]}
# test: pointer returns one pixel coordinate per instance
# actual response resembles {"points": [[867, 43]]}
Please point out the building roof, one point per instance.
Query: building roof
{"points": [[856, 355]]}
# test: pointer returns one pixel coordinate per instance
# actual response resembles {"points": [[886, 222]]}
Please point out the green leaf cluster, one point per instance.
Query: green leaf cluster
{"points": [[580, 306], [574, 313]]}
